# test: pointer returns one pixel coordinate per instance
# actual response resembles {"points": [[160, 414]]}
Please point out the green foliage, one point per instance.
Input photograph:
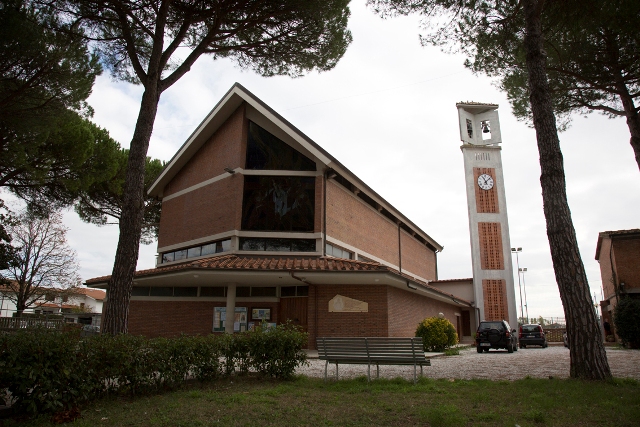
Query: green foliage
{"points": [[626, 318], [48, 149], [276, 352], [437, 334], [103, 199], [50, 371]]}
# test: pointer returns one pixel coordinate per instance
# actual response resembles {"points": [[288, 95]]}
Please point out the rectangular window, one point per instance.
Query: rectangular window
{"points": [[263, 292], [277, 245], [223, 246], [218, 291], [364, 258], [303, 245], [140, 291], [288, 291], [161, 292], [180, 255], [294, 291], [194, 252], [337, 252], [208, 249], [185, 292], [243, 291], [248, 244]]}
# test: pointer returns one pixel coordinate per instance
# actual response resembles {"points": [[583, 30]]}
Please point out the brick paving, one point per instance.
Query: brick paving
{"points": [[534, 362]]}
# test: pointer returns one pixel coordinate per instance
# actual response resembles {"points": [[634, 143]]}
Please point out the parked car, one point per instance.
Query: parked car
{"points": [[532, 335], [89, 330], [496, 334]]}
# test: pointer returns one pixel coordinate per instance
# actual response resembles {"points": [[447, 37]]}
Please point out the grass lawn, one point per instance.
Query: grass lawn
{"points": [[249, 401]]}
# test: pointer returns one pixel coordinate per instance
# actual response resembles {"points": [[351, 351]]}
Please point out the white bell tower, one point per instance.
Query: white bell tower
{"points": [[488, 225]]}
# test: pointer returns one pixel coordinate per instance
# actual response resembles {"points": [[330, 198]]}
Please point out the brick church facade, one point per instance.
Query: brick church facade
{"points": [[260, 221]]}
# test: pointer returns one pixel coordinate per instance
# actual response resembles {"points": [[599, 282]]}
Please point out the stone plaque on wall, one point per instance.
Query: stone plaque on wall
{"points": [[342, 304]]}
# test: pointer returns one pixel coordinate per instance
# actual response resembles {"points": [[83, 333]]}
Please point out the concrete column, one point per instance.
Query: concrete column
{"points": [[231, 308]]}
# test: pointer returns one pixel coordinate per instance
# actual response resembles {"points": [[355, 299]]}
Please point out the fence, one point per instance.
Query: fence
{"points": [[12, 323], [554, 335]]}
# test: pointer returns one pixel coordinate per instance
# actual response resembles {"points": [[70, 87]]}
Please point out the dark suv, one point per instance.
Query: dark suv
{"points": [[532, 335], [496, 334]]}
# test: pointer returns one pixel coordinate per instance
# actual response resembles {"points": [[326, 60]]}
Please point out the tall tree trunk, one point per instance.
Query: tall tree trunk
{"points": [[116, 312], [633, 120], [586, 349], [630, 112]]}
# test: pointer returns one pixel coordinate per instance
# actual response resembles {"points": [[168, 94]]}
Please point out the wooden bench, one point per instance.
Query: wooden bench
{"points": [[373, 351]]}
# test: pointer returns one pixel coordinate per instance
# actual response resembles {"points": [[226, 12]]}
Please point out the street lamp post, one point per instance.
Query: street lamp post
{"points": [[524, 287], [517, 251]]}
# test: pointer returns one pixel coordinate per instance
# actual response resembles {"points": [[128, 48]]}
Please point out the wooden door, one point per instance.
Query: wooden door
{"points": [[466, 323], [295, 310]]}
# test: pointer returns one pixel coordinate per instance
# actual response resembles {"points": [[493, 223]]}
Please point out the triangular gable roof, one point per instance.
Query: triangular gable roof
{"points": [[223, 110]]}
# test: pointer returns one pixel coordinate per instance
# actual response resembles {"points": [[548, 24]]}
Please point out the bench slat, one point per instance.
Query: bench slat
{"points": [[376, 351]]}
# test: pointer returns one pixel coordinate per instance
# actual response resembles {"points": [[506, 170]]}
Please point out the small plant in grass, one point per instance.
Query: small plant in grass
{"points": [[438, 334], [626, 318]]}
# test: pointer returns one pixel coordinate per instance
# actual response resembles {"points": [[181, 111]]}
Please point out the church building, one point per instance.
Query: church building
{"points": [[259, 221]]}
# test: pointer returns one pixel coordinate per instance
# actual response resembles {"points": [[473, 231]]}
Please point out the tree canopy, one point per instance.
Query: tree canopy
{"points": [[48, 149], [156, 42], [101, 204]]}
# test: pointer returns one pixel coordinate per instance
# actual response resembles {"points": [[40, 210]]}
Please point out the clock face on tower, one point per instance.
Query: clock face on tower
{"points": [[485, 182]]}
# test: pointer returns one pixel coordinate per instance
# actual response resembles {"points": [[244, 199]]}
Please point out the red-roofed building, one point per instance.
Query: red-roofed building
{"points": [[258, 219]]}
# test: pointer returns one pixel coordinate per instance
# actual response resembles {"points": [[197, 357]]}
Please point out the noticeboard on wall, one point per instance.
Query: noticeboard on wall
{"points": [[261, 314], [220, 319]]}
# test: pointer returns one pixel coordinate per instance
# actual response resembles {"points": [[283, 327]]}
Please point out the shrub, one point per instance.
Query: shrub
{"points": [[437, 334], [52, 371], [626, 318], [276, 352]]}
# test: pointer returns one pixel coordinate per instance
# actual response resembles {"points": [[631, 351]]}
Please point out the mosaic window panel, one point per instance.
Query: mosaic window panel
{"points": [[490, 239], [495, 300], [486, 200]]}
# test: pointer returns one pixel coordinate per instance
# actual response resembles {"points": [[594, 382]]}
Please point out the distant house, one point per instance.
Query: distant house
{"points": [[618, 253], [261, 222], [83, 306]]}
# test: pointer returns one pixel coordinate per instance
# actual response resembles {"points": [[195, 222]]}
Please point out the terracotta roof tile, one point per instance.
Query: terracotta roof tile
{"points": [[235, 262], [281, 263]]}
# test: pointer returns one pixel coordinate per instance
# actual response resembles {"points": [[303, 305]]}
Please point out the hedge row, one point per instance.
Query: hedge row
{"points": [[50, 371]]}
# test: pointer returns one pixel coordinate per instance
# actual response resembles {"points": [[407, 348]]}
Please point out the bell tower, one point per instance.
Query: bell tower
{"points": [[488, 225]]}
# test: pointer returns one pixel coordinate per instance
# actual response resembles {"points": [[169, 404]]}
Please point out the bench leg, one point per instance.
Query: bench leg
{"points": [[337, 377], [326, 365], [369, 372], [415, 377], [377, 371]]}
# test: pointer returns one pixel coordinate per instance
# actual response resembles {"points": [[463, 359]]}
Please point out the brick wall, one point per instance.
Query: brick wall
{"points": [[226, 148], [371, 324], [605, 268], [354, 222], [209, 210], [417, 258], [627, 255], [172, 318], [407, 310]]}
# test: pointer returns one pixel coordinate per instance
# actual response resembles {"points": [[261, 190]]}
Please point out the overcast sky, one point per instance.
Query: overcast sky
{"points": [[387, 112]]}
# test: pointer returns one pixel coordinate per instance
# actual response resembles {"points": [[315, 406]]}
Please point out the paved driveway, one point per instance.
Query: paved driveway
{"points": [[535, 362]]}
